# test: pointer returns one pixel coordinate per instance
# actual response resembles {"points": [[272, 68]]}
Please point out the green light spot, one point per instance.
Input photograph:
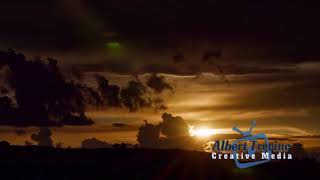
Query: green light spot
{"points": [[113, 45], [113, 48]]}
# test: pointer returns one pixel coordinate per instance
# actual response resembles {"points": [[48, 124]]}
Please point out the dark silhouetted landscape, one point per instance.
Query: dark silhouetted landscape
{"points": [[49, 163]]}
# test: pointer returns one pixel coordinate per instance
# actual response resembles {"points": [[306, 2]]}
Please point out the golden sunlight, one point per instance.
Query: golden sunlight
{"points": [[201, 132]]}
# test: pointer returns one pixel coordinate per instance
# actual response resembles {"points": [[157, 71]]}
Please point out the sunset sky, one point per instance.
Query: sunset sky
{"points": [[228, 62]]}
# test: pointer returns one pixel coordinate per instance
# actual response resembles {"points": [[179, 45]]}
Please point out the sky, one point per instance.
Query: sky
{"points": [[227, 62]]}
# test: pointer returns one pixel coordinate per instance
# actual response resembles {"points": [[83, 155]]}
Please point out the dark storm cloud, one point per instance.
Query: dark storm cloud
{"points": [[49, 25], [158, 83], [61, 25], [42, 95], [277, 25], [133, 96], [263, 33], [226, 38]]}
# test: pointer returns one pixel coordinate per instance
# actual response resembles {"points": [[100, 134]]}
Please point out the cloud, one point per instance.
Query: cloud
{"points": [[6, 109], [149, 135], [179, 58], [24, 33], [94, 143], [119, 125], [134, 96], [175, 130], [109, 93], [159, 104], [203, 61], [42, 94], [43, 137], [173, 126], [262, 41], [20, 132], [289, 96], [158, 83], [212, 54]]}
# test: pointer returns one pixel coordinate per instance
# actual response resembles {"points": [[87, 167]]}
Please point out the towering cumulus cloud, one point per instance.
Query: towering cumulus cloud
{"points": [[175, 131], [149, 135], [174, 126]]}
